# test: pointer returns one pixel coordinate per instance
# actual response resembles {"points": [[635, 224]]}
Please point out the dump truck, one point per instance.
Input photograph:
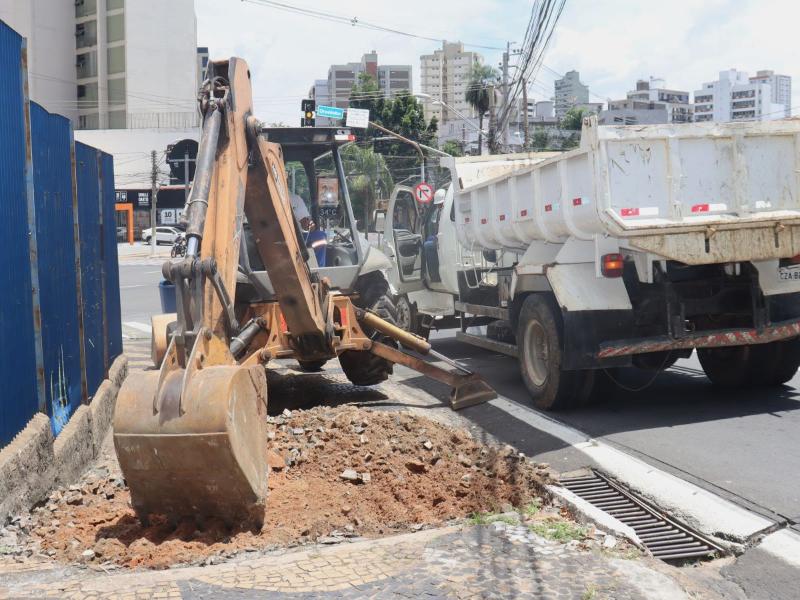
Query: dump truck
{"points": [[635, 249], [253, 287]]}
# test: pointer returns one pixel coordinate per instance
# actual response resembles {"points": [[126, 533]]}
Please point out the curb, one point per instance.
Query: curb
{"points": [[35, 462]]}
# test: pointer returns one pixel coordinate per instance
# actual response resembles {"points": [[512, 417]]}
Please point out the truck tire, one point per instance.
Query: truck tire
{"points": [[775, 363], [406, 314], [363, 367], [539, 340], [728, 367]]}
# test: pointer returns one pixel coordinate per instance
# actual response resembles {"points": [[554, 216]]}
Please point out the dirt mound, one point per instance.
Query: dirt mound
{"points": [[336, 473]]}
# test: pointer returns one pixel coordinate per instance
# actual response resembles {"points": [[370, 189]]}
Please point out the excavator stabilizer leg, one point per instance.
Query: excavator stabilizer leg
{"points": [[198, 456]]}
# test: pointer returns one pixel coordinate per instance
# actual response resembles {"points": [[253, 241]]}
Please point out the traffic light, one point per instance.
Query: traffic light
{"points": [[308, 107]]}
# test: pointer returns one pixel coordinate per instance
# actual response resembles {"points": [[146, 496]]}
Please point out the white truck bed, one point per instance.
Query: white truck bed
{"points": [[697, 193]]}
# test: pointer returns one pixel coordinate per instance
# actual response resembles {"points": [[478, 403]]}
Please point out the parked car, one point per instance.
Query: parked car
{"points": [[164, 235]]}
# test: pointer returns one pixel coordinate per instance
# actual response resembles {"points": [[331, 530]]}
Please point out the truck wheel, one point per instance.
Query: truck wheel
{"points": [[363, 367], [539, 340], [775, 363], [311, 366], [406, 313], [729, 366]]}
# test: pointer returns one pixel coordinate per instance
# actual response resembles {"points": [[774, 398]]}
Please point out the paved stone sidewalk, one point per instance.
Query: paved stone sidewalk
{"points": [[494, 561]]}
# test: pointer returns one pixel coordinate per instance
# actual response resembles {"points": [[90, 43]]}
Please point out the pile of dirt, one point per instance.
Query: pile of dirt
{"points": [[336, 473]]}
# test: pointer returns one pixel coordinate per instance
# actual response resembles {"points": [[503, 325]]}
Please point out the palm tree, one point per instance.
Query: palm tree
{"points": [[366, 173], [481, 85]]}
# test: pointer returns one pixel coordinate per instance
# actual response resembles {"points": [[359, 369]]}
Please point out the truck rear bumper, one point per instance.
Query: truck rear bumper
{"points": [[782, 330]]}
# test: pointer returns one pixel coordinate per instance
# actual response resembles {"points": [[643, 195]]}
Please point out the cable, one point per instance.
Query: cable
{"points": [[353, 21]]}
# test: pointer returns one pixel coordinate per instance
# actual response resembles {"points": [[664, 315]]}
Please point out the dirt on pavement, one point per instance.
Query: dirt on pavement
{"points": [[335, 473]]}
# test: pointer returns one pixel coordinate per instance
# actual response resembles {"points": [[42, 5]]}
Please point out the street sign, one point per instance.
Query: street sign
{"points": [[357, 117], [423, 193], [331, 112]]}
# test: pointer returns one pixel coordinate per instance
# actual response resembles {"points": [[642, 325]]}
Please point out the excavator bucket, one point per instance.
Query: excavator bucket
{"points": [[200, 455], [470, 391]]}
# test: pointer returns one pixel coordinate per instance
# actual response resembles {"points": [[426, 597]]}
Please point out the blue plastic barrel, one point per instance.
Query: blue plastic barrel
{"points": [[166, 290]]}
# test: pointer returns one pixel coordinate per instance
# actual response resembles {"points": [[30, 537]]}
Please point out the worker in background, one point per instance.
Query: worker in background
{"points": [[301, 212]]}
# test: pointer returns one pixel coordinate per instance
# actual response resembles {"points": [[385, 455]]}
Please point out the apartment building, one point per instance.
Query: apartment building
{"points": [[650, 102], [568, 93], [111, 64], [445, 76], [736, 96], [391, 79], [781, 86]]}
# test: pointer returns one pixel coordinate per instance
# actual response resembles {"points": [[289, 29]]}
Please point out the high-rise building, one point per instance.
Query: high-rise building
{"points": [[781, 86], [391, 79], [569, 92], [445, 76], [111, 64], [202, 64], [650, 102], [735, 96]]}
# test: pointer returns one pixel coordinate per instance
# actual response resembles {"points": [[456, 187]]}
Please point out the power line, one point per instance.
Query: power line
{"points": [[354, 21]]}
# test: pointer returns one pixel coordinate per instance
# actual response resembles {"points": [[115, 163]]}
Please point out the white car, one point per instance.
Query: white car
{"points": [[164, 235]]}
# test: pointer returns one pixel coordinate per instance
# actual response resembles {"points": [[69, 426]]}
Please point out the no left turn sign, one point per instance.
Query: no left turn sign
{"points": [[423, 193]]}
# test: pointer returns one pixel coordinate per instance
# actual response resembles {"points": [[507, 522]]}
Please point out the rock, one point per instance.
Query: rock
{"points": [[609, 542], [275, 461], [73, 498], [427, 445], [542, 465], [506, 508], [498, 526], [270, 435], [349, 475], [464, 460], [286, 412], [298, 431], [88, 554], [416, 527], [328, 539], [346, 509], [416, 466], [365, 477]]}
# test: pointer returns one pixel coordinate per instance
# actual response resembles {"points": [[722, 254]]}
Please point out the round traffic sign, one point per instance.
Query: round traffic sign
{"points": [[423, 193]]}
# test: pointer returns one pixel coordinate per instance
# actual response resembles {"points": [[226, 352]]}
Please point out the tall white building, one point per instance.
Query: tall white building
{"points": [[391, 79], [650, 102], [735, 96], [111, 64], [445, 76], [781, 86], [569, 92]]}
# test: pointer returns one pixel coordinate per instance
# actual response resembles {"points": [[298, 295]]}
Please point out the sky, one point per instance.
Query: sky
{"points": [[612, 43]]}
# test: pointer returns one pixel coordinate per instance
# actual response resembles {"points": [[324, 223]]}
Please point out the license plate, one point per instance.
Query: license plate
{"points": [[789, 273]]}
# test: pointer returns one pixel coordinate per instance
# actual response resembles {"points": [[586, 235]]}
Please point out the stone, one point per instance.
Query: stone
{"points": [[465, 461], [88, 554], [427, 445], [416, 466], [275, 461], [346, 508], [73, 498], [286, 412], [349, 475], [365, 477], [609, 542], [298, 431]]}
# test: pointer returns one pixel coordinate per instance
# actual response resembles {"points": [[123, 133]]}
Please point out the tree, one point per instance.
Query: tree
{"points": [[453, 148], [573, 120], [478, 96], [572, 141], [540, 139], [402, 114], [367, 173]]}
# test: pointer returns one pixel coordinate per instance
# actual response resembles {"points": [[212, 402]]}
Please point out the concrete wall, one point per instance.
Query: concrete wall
{"points": [[34, 462]]}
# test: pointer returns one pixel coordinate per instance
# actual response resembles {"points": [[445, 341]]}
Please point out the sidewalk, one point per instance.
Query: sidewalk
{"points": [[482, 561], [139, 253]]}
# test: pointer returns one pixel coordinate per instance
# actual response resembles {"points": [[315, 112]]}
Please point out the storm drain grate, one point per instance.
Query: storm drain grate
{"points": [[663, 536]]}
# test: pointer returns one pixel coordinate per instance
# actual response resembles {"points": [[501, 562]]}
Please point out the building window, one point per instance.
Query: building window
{"points": [[84, 8], [86, 65], [91, 121], [87, 95], [115, 28], [116, 91], [86, 34], [114, 4], [116, 60]]}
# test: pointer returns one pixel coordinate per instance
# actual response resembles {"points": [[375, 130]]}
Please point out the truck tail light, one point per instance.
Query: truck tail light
{"points": [[795, 260], [612, 265]]}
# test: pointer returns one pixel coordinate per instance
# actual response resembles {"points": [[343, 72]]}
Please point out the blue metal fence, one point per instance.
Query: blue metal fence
{"points": [[59, 281]]}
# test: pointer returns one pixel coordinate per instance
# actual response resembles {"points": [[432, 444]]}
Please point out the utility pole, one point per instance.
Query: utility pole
{"points": [[525, 115], [153, 194], [506, 93]]}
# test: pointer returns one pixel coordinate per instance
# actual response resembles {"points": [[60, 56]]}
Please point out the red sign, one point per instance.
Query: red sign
{"points": [[423, 193]]}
